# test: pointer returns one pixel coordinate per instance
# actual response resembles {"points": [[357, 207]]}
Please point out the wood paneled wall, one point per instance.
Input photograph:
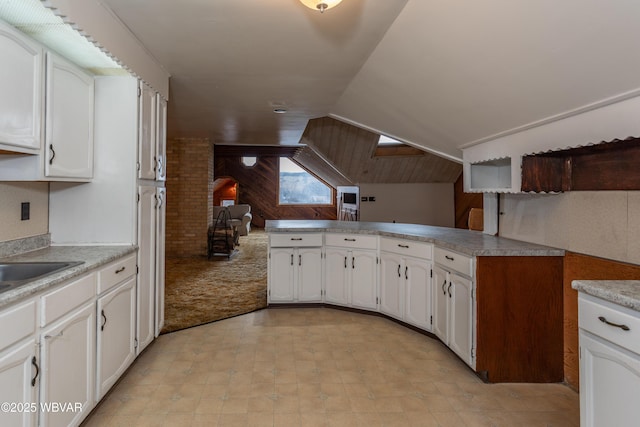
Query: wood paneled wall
{"points": [[258, 187], [464, 202], [585, 267]]}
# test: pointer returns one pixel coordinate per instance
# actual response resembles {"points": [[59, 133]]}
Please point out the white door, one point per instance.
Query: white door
{"points": [[309, 277], [364, 274], [335, 273], [281, 278], [19, 376], [116, 332], [69, 121], [161, 138], [146, 266], [392, 284], [21, 86], [68, 367], [418, 291], [460, 317], [609, 384], [161, 213], [440, 303], [147, 133]]}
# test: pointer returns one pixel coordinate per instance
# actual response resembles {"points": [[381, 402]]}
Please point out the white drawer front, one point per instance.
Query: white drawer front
{"points": [[461, 263], [61, 301], [289, 240], [594, 313], [359, 241], [115, 273], [407, 247], [17, 322]]}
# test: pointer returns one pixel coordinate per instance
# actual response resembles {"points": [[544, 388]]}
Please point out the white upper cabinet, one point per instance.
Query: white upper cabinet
{"points": [[21, 92], [69, 121], [152, 137]]}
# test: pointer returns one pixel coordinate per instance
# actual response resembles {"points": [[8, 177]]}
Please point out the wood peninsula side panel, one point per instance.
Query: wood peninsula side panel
{"points": [[519, 319]]}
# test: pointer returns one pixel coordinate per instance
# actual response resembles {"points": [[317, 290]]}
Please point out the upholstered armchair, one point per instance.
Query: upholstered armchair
{"points": [[238, 212]]}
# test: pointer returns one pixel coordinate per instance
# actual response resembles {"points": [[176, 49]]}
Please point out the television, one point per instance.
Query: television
{"points": [[349, 198]]}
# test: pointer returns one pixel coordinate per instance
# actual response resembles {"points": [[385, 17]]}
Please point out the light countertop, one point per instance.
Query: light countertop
{"points": [[474, 243], [622, 292], [90, 256]]}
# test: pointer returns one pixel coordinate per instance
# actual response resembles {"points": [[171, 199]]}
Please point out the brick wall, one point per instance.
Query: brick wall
{"points": [[189, 196]]}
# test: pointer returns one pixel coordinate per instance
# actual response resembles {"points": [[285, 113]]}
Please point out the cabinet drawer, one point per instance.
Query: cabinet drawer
{"points": [[406, 247], [17, 322], [116, 272], [463, 264], [594, 312], [68, 297], [358, 241], [288, 240]]}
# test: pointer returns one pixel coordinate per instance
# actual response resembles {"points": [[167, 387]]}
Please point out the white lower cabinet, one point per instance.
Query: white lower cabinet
{"points": [[609, 363], [405, 281], [351, 277], [19, 372], [115, 335], [295, 274], [453, 312], [68, 367]]}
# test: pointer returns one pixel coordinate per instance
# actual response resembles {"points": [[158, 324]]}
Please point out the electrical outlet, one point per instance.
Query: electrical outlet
{"points": [[25, 208]]}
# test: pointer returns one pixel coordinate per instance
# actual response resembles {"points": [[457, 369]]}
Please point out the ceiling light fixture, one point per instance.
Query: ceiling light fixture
{"points": [[320, 5], [279, 110]]}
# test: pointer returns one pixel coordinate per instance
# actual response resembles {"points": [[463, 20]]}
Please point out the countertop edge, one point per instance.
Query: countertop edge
{"points": [[625, 293], [91, 256], [429, 234]]}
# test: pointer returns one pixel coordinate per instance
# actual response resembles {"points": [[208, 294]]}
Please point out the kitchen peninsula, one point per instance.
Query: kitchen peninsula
{"points": [[495, 302]]}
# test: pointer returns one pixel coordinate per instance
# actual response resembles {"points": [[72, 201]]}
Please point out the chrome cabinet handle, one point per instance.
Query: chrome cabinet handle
{"points": [[617, 325], [53, 154], [34, 362], [450, 258]]}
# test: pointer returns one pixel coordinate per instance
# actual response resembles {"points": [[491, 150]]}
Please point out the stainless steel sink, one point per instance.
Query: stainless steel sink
{"points": [[17, 273]]}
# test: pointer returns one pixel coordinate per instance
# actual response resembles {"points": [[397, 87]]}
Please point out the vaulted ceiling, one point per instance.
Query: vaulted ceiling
{"points": [[437, 74]]}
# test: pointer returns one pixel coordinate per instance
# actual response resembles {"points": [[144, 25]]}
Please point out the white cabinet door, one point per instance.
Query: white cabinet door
{"points": [[161, 138], [309, 277], [146, 264], [364, 274], [281, 275], [116, 332], [69, 121], [147, 133], [21, 86], [461, 317], [19, 370], [336, 280], [418, 292], [392, 285], [609, 384], [440, 303], [161, 214], [68, 367]]}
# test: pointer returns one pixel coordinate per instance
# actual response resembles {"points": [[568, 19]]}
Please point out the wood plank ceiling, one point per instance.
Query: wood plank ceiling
{"points": [[351, 151]]}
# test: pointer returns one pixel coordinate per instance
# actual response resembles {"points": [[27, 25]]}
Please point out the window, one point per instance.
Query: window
{"points": [[388, 147], [298, 187]]}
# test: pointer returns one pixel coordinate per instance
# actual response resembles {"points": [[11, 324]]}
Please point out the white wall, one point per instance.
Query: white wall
{"points": [[12, 194], [430, 204], [599, 223]]}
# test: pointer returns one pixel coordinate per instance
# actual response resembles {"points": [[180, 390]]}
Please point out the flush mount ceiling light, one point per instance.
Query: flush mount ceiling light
{"points": [[320, 5], [279, 110]]}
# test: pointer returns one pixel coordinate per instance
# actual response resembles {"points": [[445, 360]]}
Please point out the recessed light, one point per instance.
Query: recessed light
{"points": [[279, 110]]}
